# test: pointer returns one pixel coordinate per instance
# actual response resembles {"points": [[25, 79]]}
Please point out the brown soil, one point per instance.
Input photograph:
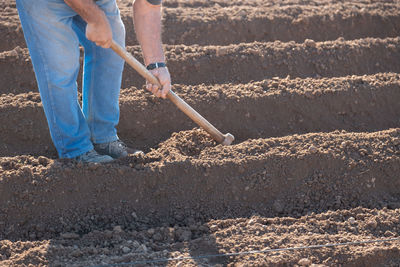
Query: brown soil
{"points": [[301, 173], [139, 242], [294, 170], [223, 22], [311, 91], [240, 63], [353, 103]]}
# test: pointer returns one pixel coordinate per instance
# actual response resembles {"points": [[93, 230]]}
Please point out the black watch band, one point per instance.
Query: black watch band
{"points": [[156, 65]]}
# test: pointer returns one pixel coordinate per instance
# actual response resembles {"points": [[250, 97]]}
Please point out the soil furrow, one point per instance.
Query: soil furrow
{"points": [[263, 22], [255, 3], [267, 108], [189, 177], [227, 236], [240, 63], [234, 25]]}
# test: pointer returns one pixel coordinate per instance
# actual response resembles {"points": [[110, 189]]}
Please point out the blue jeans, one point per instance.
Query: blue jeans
{"points": [[53, 32]]}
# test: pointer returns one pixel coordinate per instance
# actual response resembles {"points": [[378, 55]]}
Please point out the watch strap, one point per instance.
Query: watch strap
{"points": [[156, 65]]}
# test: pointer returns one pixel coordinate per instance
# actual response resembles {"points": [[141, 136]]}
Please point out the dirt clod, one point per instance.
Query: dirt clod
{"points": [[304, 262]]}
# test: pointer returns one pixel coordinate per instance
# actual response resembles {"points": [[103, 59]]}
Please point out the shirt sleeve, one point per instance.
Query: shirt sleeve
{"points": [[154, 2]]}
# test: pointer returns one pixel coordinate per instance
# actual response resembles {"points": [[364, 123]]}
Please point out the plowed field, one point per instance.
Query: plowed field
{"points": [[309, 88]]}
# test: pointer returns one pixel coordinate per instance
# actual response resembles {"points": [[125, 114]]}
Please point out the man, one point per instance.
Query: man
{"points": [[53, 30]]}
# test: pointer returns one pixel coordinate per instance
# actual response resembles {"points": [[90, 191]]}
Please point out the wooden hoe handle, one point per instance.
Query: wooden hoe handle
{"points": [[225, 139]]}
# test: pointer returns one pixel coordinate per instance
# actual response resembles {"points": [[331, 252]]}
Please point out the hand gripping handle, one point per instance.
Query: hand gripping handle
{"points": [[225, 139]]}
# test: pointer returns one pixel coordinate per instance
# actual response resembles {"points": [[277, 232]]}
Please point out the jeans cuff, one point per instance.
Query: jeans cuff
{"points": [[105, 139]]}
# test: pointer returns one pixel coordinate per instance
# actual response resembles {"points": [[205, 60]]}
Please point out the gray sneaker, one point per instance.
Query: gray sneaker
{"points": [[93, 157], [116, 149]]}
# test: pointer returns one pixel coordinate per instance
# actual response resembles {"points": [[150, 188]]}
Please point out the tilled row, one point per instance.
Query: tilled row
{"points": [[255, 3], [267, 108], [121, 245], [188, 178], [238, 24], [234, 23], [240, 63]]}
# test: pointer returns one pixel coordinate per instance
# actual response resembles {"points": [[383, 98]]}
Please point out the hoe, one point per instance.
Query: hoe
{"points": [[224, 139]]}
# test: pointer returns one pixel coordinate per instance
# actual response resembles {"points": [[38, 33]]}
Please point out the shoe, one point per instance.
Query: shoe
{"points": [[93, 157], [116, 149]]}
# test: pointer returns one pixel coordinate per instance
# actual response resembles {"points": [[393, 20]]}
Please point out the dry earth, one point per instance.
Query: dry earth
{"points": [[309, 88]]}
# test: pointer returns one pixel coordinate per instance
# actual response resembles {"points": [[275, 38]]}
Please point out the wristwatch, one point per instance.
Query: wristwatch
{"points": [[156, 65]]}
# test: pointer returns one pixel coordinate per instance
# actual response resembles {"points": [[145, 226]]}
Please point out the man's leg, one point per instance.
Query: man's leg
{"points": [[54, 49], [102, 77]]}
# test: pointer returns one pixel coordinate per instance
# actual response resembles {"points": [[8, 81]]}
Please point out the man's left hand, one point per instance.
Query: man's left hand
{"points": [[164, 77]]}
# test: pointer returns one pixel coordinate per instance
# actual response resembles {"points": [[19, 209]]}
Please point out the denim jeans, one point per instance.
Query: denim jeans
{"points": [[53, 32]]}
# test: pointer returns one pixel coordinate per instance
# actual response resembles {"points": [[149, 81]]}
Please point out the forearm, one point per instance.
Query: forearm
{"points": [[147, 20], [88, 10]]}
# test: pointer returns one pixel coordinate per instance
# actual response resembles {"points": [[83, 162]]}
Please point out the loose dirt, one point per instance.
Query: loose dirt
{"points": [[311, 91], [225, 22], [242, 63], [352, 103]]}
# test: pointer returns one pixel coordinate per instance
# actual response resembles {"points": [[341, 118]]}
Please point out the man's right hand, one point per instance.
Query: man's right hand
{"points": [[164, 77], [98, 29], [100, 32]]}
